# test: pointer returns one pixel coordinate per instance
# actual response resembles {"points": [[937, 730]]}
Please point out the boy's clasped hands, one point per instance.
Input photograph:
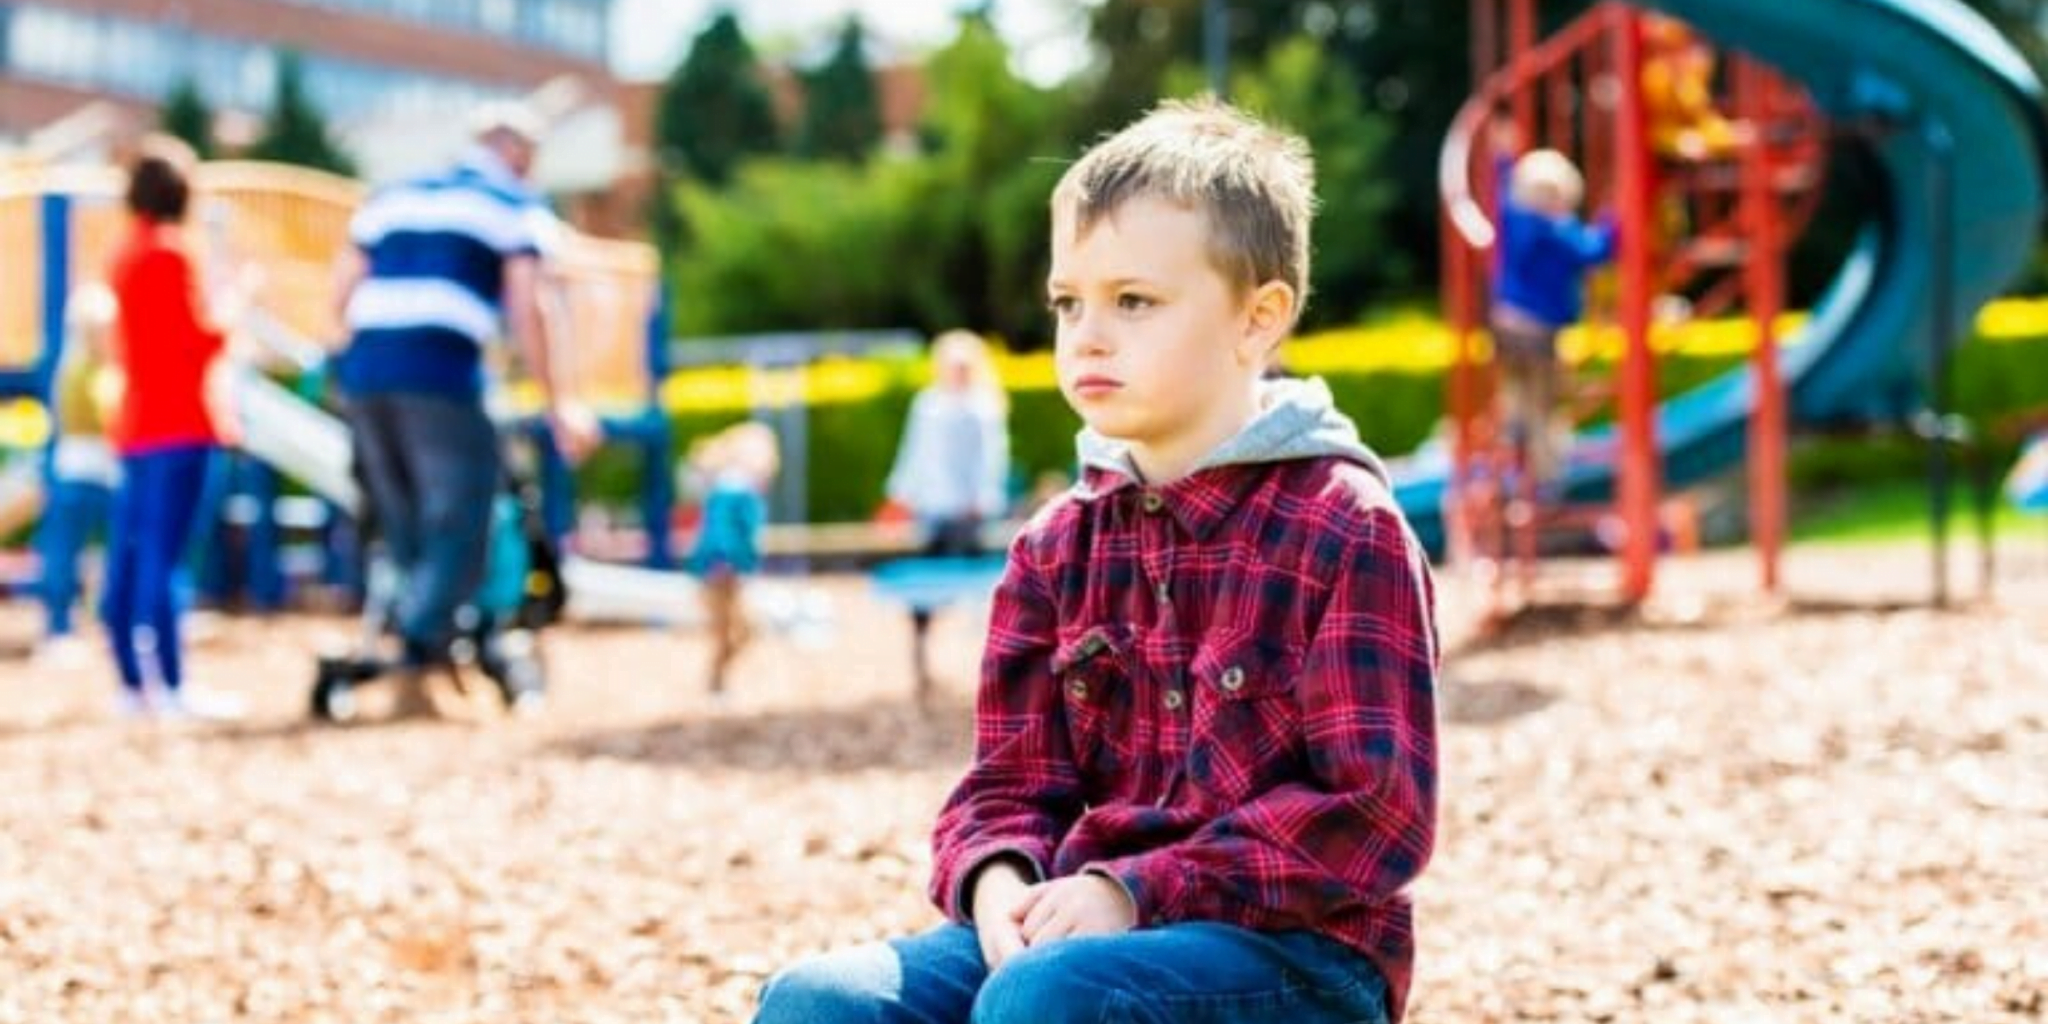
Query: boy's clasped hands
{"points": [[1012, 914]]}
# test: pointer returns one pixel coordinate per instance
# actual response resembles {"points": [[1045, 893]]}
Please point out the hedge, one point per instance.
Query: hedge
{"points": [[1388, 376]]}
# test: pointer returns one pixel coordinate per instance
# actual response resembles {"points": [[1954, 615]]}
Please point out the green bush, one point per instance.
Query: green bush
{"points": [[850, 445]]}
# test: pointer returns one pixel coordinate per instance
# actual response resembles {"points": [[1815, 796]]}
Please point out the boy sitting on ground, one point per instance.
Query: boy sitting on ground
{"points": [[1205, 761]]}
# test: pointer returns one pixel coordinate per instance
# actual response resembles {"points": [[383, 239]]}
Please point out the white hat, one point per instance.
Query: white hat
{"points": [[507, 116]]}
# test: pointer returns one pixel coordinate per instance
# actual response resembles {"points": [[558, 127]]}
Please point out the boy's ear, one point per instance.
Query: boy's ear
{"points": [[1269, 315]]}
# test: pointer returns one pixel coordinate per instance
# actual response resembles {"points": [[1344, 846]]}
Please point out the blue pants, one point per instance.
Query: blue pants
{"points": [[432, 469], [78, 509], [1197, 973], [153, 514]]}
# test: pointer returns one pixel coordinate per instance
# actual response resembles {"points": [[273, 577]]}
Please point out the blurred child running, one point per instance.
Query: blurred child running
{"points": [[953, 464], [84, 470], [735, 467]]}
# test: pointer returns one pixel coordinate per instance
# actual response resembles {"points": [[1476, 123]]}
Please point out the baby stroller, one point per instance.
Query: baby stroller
{"points": [[497, 630]]}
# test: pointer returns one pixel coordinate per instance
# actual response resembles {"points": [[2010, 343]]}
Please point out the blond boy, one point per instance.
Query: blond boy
{"points": [[1204, 771]]}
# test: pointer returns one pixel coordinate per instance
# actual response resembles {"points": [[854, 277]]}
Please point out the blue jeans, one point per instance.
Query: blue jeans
{"points": [[431, 466], [1196, 973], [153, 513], [78, 509]]}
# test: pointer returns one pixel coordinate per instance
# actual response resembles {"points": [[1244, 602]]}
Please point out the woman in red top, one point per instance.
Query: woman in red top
{"points": [[164, 343]]}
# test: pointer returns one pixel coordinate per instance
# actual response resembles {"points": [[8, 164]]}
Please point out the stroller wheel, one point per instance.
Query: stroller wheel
{"points": [[333, 698], [513, 662]]}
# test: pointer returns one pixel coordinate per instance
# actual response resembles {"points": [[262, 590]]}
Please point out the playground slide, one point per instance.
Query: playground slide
{"points": [[1949, 99]]}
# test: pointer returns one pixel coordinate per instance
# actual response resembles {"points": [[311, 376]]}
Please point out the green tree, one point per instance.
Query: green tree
{"points": [[998, 145], [715, 109], [296, 131], [951, 237], [1299, 86], [1411, 62], [842, 117], [185, 114]]}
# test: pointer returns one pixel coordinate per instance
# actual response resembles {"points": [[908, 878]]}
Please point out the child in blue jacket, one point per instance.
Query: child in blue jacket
{"points": [[1545, 251], [735, 467]]}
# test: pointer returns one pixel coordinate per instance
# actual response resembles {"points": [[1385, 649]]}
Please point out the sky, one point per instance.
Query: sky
{"points": [[649, 36]]}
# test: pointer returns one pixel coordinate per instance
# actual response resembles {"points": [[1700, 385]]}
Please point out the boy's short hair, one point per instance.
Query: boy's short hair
{"points": [[1255, 183], [160, 179], [1544, 172]]}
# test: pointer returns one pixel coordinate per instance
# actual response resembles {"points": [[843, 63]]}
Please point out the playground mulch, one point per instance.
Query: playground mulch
{"points": [[1724, 809]]}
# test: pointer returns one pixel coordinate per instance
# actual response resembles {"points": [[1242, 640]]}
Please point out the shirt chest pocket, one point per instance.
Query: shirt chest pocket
{"points": [[1246, 728], [1093, 669]]}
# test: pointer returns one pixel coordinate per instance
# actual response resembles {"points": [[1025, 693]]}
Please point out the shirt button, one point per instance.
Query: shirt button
{"points": [[1174, 700], [1233, 679], [1079, 688], [1152, 502], [1160, 591]]}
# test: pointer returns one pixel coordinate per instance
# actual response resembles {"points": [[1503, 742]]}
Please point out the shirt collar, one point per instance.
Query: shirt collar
{"points": [[491, 167], [1199, 502]]}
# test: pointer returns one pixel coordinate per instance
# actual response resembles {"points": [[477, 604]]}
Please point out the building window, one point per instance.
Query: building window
{"points": [[145, 59], [499, 17], [573, 27]]}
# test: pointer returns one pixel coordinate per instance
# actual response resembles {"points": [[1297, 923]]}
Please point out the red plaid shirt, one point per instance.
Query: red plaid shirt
{"points": [[1221, 693]]}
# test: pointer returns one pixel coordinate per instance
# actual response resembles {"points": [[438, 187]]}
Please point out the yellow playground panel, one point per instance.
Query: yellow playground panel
{"points": [[608, 290], [95, 193], [292, 222]]}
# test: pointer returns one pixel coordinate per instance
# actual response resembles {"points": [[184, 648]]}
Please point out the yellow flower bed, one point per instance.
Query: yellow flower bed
{"points": [[2013, 320], [1406, 342]]}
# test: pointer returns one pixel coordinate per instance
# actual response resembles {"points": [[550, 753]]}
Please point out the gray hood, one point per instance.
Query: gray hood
{"points": [[1297, 420]]}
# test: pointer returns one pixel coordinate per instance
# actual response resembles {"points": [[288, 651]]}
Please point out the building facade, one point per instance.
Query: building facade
{"points": [[390, 76]]}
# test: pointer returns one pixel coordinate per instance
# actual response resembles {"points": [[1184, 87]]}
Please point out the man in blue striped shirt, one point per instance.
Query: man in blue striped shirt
{"points": [[438, 264]]}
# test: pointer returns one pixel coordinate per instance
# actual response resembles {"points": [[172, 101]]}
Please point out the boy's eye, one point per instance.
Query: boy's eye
{"points": [[1063, 306], [1133, 303]]}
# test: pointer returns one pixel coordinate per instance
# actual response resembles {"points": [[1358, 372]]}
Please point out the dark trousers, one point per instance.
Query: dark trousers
{"points": [[78, 510], [952, 537], [432, 469], [153, 514]]}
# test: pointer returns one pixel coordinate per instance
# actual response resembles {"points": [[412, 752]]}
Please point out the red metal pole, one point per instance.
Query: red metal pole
{"points": [[1638, 484], [1460, 265], [1764, 278], [1485, 40], [1522, 39], [1457, 297]]}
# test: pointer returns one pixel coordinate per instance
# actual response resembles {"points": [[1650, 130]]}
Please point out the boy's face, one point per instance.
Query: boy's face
{"points": [[1155, 347]]}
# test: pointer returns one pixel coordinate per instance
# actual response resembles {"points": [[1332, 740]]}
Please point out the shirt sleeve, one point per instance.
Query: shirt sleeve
{"points": [[1589, 244], [539, 233], [1022, 792], [1360, 826]]}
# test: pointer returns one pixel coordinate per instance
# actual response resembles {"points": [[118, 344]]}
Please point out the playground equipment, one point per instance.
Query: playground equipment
{"points": [[1955, 119], [293, 221]]}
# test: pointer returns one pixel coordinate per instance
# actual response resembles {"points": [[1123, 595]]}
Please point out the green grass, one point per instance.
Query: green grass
{"points": [[1897, 510]]}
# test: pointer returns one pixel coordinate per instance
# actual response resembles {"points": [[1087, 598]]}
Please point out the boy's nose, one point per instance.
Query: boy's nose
{"points": [[1085, 335]]}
